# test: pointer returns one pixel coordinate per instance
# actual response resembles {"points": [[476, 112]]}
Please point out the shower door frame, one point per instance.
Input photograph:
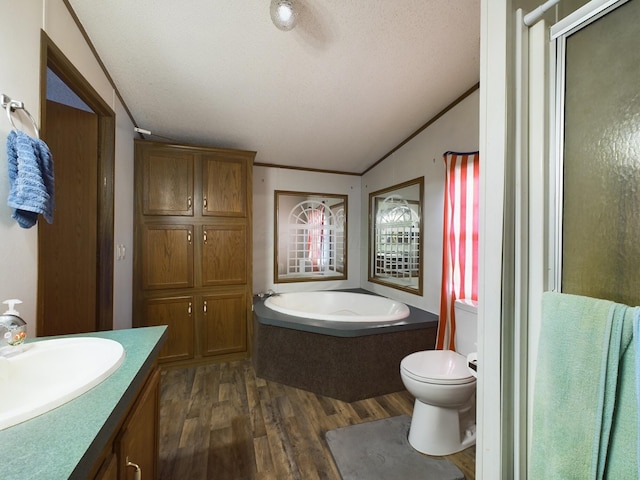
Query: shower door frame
{"points": [[581, 18], [545, 138]]}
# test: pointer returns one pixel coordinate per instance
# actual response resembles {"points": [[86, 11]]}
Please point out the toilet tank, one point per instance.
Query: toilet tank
{"points": [[466, 336]]}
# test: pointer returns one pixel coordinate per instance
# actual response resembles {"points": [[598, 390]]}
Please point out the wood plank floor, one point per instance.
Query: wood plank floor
{"points": [[222, 422]]}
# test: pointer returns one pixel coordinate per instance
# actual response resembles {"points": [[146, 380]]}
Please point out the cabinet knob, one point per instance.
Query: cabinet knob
{"points": [[204, 236], [189, 237], [204, 306], [189, 202], [204, 203], [138, 473], [189, 308]]}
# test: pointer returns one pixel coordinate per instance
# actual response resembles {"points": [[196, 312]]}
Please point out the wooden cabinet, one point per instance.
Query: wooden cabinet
{"points": [[135, 444], [224, 254], [167, 181], [192, 254], [224, 178], [177, 314], [167, 257], [221, 333]]}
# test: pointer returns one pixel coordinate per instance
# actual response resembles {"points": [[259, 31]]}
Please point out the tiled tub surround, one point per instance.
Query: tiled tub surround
{"points": [[341, 360], [67, 441]]}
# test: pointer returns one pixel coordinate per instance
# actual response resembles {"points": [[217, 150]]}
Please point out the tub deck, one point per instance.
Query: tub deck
{"points": [[345, 361]]}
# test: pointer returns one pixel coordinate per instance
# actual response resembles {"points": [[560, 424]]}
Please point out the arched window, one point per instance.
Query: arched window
{"points": [[397, 231], [314, 232]]}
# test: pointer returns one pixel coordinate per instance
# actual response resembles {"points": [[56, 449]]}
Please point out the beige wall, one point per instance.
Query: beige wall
{"points": [[20, 79], [457, 130], [266, 181]]}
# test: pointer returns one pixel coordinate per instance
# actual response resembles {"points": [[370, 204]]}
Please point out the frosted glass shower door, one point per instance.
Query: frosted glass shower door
{"points": [[601, 158]]}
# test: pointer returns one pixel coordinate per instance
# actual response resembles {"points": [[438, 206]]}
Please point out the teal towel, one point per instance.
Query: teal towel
{"points": [[585, 414], [636, 339]]}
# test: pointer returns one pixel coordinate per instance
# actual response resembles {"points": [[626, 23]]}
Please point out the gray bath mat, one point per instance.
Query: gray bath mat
{"points": [[380, 450]]}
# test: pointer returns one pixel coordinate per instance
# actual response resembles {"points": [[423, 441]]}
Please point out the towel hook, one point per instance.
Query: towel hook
{"points": [[9, 105]]}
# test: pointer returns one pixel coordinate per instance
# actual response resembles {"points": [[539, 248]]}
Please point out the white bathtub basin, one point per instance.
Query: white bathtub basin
{"points": [[337, 306], [49, 373]]}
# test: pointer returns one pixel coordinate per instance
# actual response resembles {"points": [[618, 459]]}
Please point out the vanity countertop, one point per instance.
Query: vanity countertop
{"points": [[67, 441]]}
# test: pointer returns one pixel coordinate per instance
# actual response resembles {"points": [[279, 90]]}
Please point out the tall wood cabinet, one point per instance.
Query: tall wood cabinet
{"points": [[193, 249]]}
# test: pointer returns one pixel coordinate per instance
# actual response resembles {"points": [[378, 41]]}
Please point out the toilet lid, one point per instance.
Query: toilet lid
{"points": [[437, 366]]}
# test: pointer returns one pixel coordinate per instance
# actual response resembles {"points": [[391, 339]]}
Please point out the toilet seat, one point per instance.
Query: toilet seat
{"points": [[443, 367]]}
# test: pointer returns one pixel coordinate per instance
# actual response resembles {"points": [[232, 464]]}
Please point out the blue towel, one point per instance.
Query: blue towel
{"points": [[31, 179]]}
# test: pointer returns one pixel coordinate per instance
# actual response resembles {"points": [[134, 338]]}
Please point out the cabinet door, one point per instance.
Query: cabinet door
{"points": [[138, 443], [225, 323], [109, 469], [167, 186], [167, 256], [224, 255], [177, 314], [224, 185]]}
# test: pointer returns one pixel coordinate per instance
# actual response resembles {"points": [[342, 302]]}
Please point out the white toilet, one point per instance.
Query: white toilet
{"points": [[444, 413]]}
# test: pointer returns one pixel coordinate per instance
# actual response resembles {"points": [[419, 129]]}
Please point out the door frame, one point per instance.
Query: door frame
{"points": [[52, 57]]}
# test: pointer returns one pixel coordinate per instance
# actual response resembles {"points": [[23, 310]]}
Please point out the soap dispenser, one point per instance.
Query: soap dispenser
{"points": [[13, 330]]}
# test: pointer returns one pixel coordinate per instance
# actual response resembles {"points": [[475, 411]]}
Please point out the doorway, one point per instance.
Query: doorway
{"points": [[75, 253]]}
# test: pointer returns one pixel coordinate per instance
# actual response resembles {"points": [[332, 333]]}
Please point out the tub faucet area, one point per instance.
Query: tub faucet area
{"points": [[269, 293]]}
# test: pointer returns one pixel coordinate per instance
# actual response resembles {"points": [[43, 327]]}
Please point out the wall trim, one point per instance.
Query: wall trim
{"points": [[318, 170], [426, 125], [400, 145]]}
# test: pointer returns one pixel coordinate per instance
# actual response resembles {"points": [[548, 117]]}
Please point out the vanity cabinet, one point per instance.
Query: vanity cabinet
{"points": [[109, 468], [90, 437], [192, 252], [135, 445]]}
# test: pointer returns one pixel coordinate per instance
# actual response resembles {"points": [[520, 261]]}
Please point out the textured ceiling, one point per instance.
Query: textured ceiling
{"points": [[346, 86]]}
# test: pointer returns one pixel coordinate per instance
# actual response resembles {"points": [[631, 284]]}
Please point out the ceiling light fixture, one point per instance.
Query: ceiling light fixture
{"points": [[283, 14]]}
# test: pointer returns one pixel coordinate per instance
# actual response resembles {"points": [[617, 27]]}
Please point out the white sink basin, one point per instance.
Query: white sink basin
{"points": [[48, 373]]}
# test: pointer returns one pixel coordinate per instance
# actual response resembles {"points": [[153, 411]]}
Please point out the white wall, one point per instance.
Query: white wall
{"points": [[20, 54], [123, 220], [457, 130], [266, 180], [20, 79]]}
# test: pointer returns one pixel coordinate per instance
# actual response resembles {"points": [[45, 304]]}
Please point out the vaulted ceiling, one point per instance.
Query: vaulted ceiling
{"points": [[348, 84]]}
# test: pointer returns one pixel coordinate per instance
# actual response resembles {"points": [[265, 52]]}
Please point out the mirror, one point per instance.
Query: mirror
{"points": [[310, 237], [395, 246]]}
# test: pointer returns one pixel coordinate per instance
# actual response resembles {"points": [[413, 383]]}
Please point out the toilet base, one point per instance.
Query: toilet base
{"points": [[442, 431]]}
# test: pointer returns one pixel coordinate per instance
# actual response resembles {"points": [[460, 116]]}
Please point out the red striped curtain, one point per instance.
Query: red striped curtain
{"points": [[460, 243]]}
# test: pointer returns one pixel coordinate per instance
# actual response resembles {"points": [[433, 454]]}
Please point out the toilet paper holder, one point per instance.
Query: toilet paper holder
{"points": [[472, 363]]}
